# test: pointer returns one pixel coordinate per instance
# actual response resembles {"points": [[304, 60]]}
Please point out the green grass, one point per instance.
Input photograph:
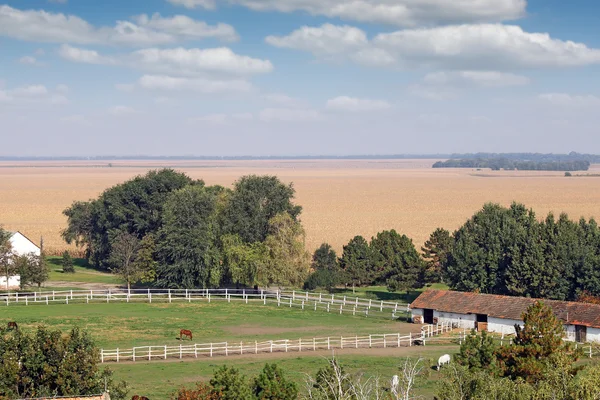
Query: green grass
{"points": [[381, 293], [140, 324], [161, 379], [83, 273]]}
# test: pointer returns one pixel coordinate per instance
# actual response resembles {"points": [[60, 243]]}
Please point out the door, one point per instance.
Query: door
{"points": [[428, 316], [481, 322], [580, 334]]}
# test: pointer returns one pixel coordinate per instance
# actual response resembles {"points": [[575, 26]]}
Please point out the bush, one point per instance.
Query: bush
{"points": [[67, 263], [326, 279], [272, 385], [568, 174]]}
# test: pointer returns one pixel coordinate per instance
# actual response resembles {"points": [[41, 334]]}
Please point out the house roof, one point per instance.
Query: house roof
{"points": [[506, 307]]}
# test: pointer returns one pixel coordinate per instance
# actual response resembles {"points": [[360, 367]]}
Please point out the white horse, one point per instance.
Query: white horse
{"points": [[445, 359], [395, 383]]}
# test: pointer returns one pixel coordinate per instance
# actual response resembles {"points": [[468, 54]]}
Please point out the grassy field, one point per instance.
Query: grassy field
{"points": [[340, 199], [160, 380], [381, 293], [128, 325], [83, 273]]}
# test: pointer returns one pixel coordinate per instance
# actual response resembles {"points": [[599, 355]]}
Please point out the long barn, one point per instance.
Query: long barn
{"points": [[500, 314]]}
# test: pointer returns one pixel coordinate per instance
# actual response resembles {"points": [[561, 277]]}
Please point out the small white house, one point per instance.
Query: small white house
{"points": [[21, 246], [500, 314]]}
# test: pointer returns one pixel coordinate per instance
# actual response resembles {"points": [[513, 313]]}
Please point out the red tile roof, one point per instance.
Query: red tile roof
{"points": [[506, 307]]}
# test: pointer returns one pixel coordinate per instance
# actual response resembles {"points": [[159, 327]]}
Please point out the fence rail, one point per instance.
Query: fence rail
{"points": [[298, 299], [196, 350]]}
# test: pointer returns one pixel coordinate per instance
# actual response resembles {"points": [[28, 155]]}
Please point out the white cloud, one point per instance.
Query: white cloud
{"points": [[324, 41], [75, 54], [28, 60], [183, 26], [30, 91], [207, 4], [393, 12], [565, 99], [43, 26], [288, 115], [220, 60], [32, 94], [120, 111], [472, 47], [345, 103], [170, 83], [475, 78]]}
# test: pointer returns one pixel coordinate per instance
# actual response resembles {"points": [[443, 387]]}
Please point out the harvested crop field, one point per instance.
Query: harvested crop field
{"points": [[341, 198]]}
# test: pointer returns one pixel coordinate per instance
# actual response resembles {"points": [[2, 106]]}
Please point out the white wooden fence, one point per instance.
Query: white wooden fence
{"points": [[298, 299], [150, 353]]}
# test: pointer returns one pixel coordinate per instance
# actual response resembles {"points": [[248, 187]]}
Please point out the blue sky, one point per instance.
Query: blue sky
{"points": [[298, 77]]}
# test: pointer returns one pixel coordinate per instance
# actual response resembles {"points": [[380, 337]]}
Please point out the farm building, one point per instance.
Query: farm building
{"points": [[500, 314], [21, 246]]}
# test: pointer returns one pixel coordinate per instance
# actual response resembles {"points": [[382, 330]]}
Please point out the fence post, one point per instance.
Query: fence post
{"points": [[590, 351], [271, 346], [315, 306], [71, 295], [384, 342], [356, 303], [149, 353], [226, 350], [342, 342], [133, 354], [370, 341], [381, 306], [328, 307], [46, 300], [180, 351], [108, 296], [306, 295], [169, 295], [165, 352], [290, 303], [354, 311], [370, 301], [255, 347], [52, 296], [117, 354], [356, 341], [263, 297], [286, 345], [328, 344], [294, 295], [278, 301], [409, 339], [196, 350], [211, 349], [341, 308], [398, 340], [102, 356], [344, 300], [314, 344], [241, 348], [320, 297], [26, 301], [208, 295]]}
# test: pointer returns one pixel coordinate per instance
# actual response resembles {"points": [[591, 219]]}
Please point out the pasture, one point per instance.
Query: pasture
{"points": [[341, 198]]}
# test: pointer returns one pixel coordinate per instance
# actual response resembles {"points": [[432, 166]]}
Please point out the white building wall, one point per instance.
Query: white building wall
{"points": [[593, 335], [22, 246], [466, 321], [504, 326], [14, 282]]}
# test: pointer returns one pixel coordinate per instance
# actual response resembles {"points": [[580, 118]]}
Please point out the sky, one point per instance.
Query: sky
{"points": [[298, 77]]}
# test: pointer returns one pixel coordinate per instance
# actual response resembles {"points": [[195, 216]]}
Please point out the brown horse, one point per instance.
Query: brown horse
{"points": [[13, 325], [185, 332]]}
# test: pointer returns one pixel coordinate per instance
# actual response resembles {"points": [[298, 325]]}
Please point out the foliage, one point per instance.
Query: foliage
{"points": [[32, 269], [477, 352], [357, 262], [144, 262], [271, 384], [135, 207], [324, 258], [7, 266], [254, 202], [326, 273], [538, 347], [202, 391], [187, 248], [67, 263], [290, 262], [398, 264], [323, 278], [49, 363], [231, 384], [437, 251], [247, 264], [522, 165]]}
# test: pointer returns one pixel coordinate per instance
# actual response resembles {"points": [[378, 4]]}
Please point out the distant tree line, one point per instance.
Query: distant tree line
{"points": [[537, 157], [169, 230], [521, 165]]}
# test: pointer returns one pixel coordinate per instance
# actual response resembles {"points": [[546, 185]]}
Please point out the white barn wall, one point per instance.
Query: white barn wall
{"points": [[593, 335], [22, 246], [505, 326], [460, 320]]}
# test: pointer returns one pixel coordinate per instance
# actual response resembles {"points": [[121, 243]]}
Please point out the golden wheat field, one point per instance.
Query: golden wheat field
{"points": [[341, 199]]}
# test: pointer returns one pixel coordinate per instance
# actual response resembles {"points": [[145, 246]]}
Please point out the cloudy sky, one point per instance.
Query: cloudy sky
{"points": [[298, 77]]}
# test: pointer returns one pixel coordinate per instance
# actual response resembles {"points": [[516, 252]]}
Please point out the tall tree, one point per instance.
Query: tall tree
{"points": [[246, 264], [398, 263], [254, 202], [231, 384], [357, 261], [145, 262], [437, 251], [324, 258], [7, 266], [290, 262], [67, 263], [272, 384], [187, 247], [123, 256], [32, 269], [135, 206]]}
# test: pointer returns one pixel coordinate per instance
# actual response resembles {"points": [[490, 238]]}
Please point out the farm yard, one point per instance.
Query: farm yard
{"points": [[340, 199]]}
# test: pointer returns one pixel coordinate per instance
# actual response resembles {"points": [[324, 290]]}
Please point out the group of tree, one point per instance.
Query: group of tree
{"points": [[48, 363], [32, 269], [497, 164], [388, 259], [508, 251], [167, 229], [539, 365], [229, 384]]}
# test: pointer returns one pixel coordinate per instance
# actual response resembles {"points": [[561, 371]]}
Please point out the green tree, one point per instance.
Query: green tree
{"points": [[32, 269], [48, 363], [145, 263], [325, 258], [326, 273], [187, 244], [398, 263], [478, 352], [357, 262], [124, 249], [538, 347], [272, 384], [436, 251], [254, 202], [135, 206], [7, 266], [323, 278], [290, 262], [231, 384], [67, 263], [246, 264]]}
